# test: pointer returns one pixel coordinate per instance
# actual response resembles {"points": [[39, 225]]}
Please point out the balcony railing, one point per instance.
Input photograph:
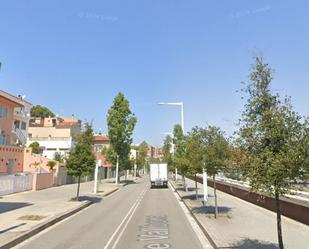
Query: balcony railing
{"points": [[50, 139]]}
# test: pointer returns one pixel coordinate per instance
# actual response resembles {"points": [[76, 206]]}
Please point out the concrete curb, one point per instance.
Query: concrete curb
{"points": [[211, 241], [40, 227], [110, 192]]}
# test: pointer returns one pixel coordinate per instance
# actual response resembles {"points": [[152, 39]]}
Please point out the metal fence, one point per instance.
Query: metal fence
{"points": [[10, 184]]}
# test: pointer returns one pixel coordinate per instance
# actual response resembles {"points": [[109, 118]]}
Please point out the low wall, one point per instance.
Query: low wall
{"points": [[11, 159], [294, 209], [10, 184], [42, 181]]}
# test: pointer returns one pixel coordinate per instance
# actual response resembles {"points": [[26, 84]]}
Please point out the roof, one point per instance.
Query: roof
{"points": [[71, 119], [16, 100], [101, 138], [104, 162]]}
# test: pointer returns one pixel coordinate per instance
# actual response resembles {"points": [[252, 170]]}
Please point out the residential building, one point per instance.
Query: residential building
{"points": [[151, 151], [21, 122], [100, 142], [54, 134], [11, 156]]}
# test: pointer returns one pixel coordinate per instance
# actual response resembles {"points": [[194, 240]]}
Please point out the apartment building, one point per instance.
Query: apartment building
{"points": [[54, 134], [11, 155], [100, 142]]}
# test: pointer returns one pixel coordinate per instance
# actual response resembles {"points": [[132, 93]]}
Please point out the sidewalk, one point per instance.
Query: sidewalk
{"points": [[22, 213], [240, 224]]}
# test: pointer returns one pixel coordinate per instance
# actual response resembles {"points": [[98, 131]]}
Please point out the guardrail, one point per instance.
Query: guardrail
{"points": [[292, 208]]}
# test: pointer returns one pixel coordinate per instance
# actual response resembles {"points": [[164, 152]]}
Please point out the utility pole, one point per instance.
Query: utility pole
{"points": [[117, 166], [95, 188], [205, 189]]}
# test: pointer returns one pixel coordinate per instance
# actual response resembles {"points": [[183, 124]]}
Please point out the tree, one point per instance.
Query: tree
{"points": [[51, 164], [58, 157], [273, 137], [35, 147], [167, 152], [81, 160], [121, 122], [180, 157], [216, 155], [39, 111], [195, 153], [142, 151]]}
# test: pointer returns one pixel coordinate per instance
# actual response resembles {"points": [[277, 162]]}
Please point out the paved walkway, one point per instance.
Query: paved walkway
{"points": [[242, 225], [16, 209]]}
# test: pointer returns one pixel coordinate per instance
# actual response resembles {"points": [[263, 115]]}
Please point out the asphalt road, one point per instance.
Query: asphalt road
{"points": [[132, 218]]}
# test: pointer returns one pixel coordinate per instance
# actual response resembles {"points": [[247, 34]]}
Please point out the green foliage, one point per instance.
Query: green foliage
{"points": [[166, 150], [39, 111], [180, 155], [142, 151], [51, 164], [59, 157], [81, 160], [154, 160], [273, 136], [195, 150], [121, 122], [217, 153], [35, 147]]}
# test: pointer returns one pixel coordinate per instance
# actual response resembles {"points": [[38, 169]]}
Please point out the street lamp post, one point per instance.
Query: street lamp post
{"points": [[117, 166], [181, 111], [95, 188], [182, 123]]}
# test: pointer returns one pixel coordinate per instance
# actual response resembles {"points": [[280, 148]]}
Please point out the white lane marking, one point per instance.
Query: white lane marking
{"points": [[132, 209], [31, 239], [129, 219], [198, 231]]}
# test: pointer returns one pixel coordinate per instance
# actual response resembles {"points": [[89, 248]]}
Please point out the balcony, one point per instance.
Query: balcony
{"points": [[50, 139]]}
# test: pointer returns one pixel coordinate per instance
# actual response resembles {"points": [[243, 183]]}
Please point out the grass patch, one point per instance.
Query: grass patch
{"points": [[32, 217]]}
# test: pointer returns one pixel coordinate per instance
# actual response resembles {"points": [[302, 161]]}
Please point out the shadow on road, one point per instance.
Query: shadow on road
{"points": [[210, 210], [13, 227], [93, 199], [252, 244], [192, 197], [9, 206], [128, 182]]}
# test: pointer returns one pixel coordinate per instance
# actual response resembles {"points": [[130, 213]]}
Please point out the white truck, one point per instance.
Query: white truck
{"points": [[158, 174]]}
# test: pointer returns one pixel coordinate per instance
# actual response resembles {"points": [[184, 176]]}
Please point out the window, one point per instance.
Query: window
{"points": [[2, 139], [16, 124], [51, 149], [3, 111], [23, 125]]}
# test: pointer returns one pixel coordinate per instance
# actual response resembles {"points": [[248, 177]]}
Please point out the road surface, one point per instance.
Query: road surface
{"points": [[132, 218]]}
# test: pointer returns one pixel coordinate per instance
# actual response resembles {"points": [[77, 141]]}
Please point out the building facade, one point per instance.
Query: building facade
{"points": [[11, 155], [57, 134]]}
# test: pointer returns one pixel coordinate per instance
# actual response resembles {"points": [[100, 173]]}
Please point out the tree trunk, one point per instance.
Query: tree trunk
{"points": [[279, 229], [78, 185], [196, 190], [215, 194], [184, 183]]}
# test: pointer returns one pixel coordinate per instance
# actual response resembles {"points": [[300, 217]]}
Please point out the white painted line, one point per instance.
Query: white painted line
{"points": [[24, 243], [128, 220], [132, 209], [199, 233]]}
